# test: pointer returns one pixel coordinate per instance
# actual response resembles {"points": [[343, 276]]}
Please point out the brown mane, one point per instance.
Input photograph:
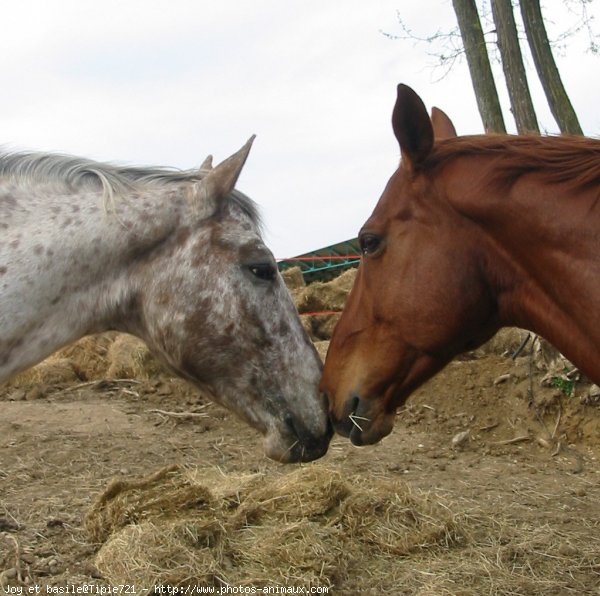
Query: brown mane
{"points": [[561, 159]]}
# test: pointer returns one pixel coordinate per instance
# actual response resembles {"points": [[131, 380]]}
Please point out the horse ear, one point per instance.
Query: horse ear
{"points": [[442, 125], [412, 127], [220, 181], [206, 164]]}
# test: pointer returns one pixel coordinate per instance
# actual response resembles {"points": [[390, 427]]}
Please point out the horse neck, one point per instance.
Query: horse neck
{"points": [[68, 264], [541, 258]]}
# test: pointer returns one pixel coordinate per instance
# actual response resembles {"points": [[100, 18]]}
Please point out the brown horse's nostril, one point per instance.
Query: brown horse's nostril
{"points": [[343, 424]]}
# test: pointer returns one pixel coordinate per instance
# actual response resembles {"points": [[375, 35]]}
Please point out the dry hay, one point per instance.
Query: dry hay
{"points": [[104, 356], [309, 526], [112, 356], [322, 347], [504, 343], [293, 278], [89, 355], [502, 557], [83, 360], [325, 296], [52, 371], [320, 327], [129, 358]]}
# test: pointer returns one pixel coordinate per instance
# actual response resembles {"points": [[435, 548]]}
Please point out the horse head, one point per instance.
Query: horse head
{"points": [[215, 309], [418, 298]]}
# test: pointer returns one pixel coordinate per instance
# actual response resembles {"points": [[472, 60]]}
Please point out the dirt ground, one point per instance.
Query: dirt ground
{"points": [[526, 477]]}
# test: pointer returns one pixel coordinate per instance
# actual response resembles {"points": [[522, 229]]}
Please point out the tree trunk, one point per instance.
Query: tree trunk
{"points": [[513, 67], [479, 65], [557, 97]]}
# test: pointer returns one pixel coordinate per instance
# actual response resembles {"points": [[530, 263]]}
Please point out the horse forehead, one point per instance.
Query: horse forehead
{"points": [[407, 196], [235, 231], [393, 205]]}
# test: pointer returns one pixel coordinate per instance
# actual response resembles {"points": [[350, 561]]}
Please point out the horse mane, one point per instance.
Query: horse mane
{"points": [[570, 159], [75, 173]]}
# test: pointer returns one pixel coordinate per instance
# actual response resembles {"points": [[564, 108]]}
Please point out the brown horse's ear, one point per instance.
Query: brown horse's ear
{"points": [[442, 125], [412, 127]]}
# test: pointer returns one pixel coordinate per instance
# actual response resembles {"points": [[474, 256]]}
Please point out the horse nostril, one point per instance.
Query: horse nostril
{"points": [[288, 419], [296, 428]]}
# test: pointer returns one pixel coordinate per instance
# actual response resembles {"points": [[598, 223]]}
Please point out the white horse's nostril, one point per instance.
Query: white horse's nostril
{"points": [[289, 422], [298, 430]]}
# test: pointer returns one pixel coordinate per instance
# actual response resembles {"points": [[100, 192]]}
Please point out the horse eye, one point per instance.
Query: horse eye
{"points": [[264, 271], [369, 243]]}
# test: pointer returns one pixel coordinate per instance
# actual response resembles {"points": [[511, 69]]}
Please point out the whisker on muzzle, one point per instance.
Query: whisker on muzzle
{"points": [[292, 446], [354, 418]]}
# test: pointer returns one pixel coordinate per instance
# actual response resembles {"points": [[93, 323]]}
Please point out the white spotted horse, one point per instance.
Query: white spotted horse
{"points": [[173, 257]]}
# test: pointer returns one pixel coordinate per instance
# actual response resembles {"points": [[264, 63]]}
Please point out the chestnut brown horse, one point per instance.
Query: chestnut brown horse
{"points": [[471, 234]]}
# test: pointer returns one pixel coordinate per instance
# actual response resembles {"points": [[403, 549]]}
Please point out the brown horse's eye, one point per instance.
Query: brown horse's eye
{"points": [[369, 243], [264, 271]]}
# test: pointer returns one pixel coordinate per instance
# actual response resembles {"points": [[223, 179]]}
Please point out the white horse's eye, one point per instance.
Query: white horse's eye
{"points": [[264, 271]]}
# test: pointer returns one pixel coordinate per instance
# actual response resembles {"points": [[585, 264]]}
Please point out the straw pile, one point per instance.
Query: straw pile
{"points": [[89, 355], [324, 296], [312, 527], [129, 358], [327, 298], [53, 371], [293, 278], [103, 356], [307, 527]]}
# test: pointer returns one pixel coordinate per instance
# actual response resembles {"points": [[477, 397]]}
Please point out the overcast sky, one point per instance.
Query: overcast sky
{"points": [[167, 82]]}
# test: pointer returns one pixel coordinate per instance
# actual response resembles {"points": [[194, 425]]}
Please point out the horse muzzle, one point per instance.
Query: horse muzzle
{"points": [[362, 421], [294, 442]]}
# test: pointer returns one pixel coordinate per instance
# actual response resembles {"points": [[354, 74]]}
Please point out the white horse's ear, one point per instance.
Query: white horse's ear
{"points": [[206, 164], [219, 181]]}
